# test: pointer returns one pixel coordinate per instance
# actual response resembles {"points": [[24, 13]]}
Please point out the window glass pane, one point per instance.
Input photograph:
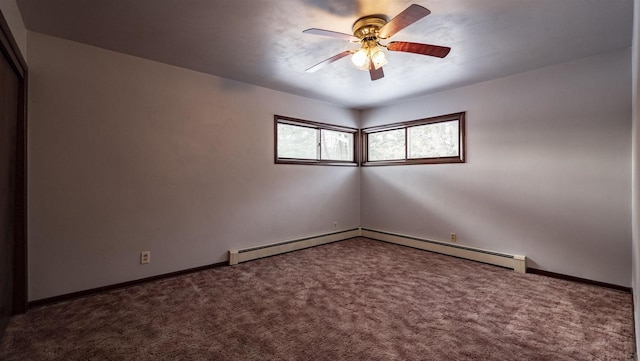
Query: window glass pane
{"points": [[387, 145], [336, 145], [297, 142], [434, 140]]}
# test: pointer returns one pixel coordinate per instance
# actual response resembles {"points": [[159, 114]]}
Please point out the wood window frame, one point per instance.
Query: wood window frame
{"points": [[461, 158], [280, 119]]}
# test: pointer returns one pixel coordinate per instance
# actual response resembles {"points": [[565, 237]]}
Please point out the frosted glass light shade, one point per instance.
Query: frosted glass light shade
{"points": [[378, 58], [361, 59]]}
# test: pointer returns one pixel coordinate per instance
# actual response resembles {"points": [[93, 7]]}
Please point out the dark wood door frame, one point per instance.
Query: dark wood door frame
{"points": [[10, 50]]}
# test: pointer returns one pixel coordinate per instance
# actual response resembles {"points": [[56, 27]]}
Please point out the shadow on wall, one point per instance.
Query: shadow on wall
{"points": [[485, 214], [405, 198], [273, 211]]}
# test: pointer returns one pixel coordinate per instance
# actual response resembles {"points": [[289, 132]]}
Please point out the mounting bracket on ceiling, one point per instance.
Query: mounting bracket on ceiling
{"points": [[367, 28]]}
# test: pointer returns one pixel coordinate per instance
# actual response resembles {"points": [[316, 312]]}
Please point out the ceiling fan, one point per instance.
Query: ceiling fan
{"points": [[369, 31]]}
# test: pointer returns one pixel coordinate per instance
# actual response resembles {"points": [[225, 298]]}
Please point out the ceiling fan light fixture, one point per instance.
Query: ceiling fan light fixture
{"points": [[369, 30]]}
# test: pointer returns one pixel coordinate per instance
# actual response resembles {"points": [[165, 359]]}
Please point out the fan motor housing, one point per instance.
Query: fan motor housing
{"points": [[366, 28]]}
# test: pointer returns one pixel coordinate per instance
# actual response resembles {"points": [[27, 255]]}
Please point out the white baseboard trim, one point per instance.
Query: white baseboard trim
{"points": [[247, 254], [515, 262]]}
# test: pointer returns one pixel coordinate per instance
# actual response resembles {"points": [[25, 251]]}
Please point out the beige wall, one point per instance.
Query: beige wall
{"points": [[127, 155], [12, 14], [549, 159]]}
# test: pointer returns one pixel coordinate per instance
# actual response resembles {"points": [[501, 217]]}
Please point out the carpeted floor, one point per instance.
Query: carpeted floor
{"points": [[352, 300]]}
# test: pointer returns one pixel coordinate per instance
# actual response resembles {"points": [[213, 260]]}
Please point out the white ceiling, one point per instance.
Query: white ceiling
{"points": [[261, 41]]}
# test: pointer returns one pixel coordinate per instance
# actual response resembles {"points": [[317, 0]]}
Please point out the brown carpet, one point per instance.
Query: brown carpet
{"points": [[352, 300]]}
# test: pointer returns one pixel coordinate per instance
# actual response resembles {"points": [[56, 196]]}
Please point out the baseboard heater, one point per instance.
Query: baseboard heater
{"points": [[248, 254], [515, 262]]}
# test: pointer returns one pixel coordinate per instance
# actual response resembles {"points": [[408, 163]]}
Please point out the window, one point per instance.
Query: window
{"points": [[388, 145], [304, 142], [432, 140]]}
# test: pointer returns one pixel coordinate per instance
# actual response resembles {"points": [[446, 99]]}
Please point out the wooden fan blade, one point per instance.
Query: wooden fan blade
{"points": [[332, 34], [409, 16], [417, 48], [375, 73], [326, 62]]}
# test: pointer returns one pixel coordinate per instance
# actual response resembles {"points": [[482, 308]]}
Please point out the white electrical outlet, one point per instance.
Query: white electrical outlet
{"points": [[335, 224], [145, 257], [454, 237]]}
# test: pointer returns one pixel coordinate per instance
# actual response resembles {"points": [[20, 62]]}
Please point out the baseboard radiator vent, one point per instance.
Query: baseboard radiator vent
{"points": [[515, 262], [247, 254]]}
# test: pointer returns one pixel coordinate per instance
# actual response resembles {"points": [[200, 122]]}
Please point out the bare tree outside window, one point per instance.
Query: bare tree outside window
{"points": [[433, 140], [336, 145], [387, 145], [297, 142]]}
